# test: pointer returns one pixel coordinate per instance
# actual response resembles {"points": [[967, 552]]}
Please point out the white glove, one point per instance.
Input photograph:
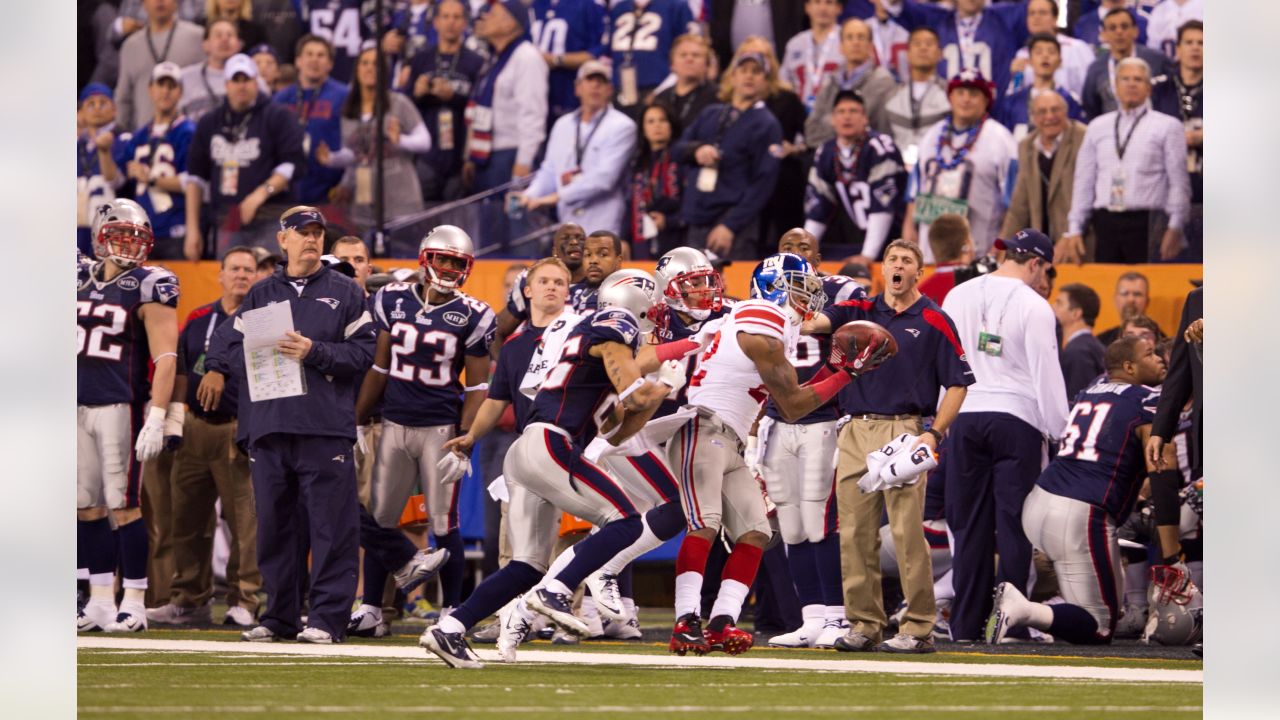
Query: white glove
{"points": [[671, 374], [362, 440], [174, 420], [452, 467], [151, 439]]}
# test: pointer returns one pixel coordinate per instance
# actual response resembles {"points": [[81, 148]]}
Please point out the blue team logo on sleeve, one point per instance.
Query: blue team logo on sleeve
{"points": [[167, 290], [619, 322]]}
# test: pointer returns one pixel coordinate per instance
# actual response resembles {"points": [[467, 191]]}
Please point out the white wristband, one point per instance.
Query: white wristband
{"points": [[155, 416], [476, 388], [634, 387], [379, 370]]}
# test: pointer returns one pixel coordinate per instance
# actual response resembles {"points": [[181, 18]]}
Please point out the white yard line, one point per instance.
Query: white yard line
{"points": [[176, 710], [715, 661]]}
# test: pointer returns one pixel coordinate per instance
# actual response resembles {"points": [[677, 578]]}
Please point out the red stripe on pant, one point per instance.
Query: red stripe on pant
{"points": [[1100, 554]]}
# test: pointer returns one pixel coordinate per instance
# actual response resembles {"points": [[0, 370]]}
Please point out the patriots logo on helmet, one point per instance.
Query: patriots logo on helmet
{"points": [[663, 263]]}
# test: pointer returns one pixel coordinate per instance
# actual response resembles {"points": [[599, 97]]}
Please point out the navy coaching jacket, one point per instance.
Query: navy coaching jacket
{"points": [[329, 309]]}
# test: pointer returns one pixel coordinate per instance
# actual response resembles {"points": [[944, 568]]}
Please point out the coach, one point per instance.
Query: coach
{"points": [[301, 448], [929, 357], [1018, 400]]}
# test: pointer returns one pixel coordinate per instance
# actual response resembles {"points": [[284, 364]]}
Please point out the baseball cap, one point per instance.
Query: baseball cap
{"points": [[519, 10], [263, 48], [1029, 241], [757, 58], [296, 219], [594, 67], [167, 69], [95, 89], [972, 78], [240, 64]]}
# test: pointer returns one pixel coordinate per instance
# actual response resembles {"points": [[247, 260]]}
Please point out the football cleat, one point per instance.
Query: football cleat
{"points": [[687, 636], [421, 567], [315, 636], [1007, 603], [488, 634], [95, 616], [130, 619], [240, 616], [604, 590], [514, 624], [170, 614], [452, 648], [629, 630], [729, 639], [557, 607], [367, 622], [802, 637], [261, 633], [832, 630]]}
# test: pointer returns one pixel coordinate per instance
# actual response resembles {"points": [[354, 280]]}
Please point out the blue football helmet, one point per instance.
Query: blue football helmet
{"points": [[790, 282]]}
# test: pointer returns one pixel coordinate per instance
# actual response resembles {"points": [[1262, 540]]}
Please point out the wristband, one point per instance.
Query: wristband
{"points": [[823, 373], [155, 416], [476, 388], [675, 350], [634, 387], [164, 355], [379, 370], [936, 435], [828, 388]]}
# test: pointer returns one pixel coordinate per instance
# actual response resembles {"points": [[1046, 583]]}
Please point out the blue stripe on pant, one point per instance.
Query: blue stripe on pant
{"points": [[993, 464], [293, 474], [655, 472], [1103, 567], [569, 457]]}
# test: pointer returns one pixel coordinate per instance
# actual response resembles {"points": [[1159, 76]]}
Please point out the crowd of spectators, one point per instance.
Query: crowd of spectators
{"points": [[1082, 119]]}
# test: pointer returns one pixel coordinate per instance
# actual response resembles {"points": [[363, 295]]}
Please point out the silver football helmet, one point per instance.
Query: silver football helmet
{"points": [[122, 233], [446, 255], [688, 283], [633, 290], [1176, 607]]}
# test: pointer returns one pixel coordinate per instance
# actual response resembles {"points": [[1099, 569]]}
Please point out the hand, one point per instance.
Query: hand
{"points": [[460, 445], [927, 439], [1195, 138], [130, 25], [468, 175], [151, 438], [104, 141], [1069, 249], [209, 394], [1195, 332], [402, 79], [659, 220], [1171, 244], [295, 346], [520, 170], [421, 86], [323, 154], [869, 358], [193, 243], [671, 373], [174, 420], [393, 130], [1155, 452], [1018, 65], [720, 240], [137, 171], [706, 155], [392, 43], [250, 204], [442, 88]]}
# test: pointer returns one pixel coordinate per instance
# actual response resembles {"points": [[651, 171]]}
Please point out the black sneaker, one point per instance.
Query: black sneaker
{"points": [[559, 608], [451, 648]]}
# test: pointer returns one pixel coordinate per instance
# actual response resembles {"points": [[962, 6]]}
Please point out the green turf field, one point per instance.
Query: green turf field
{"points": [[128, 677]]}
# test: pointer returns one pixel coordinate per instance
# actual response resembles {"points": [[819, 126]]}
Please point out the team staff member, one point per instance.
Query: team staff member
{"points": [[1017, 402], [1184, 382], [208, 466], [301, 453], [929, 356]]}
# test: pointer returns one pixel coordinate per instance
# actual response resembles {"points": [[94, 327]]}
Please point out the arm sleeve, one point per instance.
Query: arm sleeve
{"points": [[226, 353], [199, 163], [1082, 185], [544, 178], [604, 172], [286, 134], [1176, 389], [1175, 162], [531, 101], [691, 139], [952, 366], [1046, 372]]}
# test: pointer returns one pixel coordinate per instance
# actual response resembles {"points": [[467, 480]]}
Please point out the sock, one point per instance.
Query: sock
{"points": [[375, 580], [102, 589], [82, 574], [813, 616], [804, 573], [1135, 584], [454, 569], [82, 554], [451, 624], [833, 614], [691, 560], [497, 590], [1073, 624], [100, 550], [603, 545], [134, 597], [564, 558], [826, 557], [648, 540], [735, 583], [133, 554], [626, 584]]}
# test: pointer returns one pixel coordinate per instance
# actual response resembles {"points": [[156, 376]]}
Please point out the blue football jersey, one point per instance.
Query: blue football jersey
{"points": [[988, 47], [567, 26], [673, 328], [1100, 460], [342, 23], [812, 350], [429, 345], [166, 155], [112, 353], [92, 189], [578, 388], [860, 181], [642, 37]]}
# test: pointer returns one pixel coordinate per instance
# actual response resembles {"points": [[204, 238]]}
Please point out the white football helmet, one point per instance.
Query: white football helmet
{"points": [[1175, 607], [633, 290], [439, 254], [689, 283], [122, 233]]}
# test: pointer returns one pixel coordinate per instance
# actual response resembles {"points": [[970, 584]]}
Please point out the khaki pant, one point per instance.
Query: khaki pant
{"points": [[860, 534], [365, 463], [157, 512], [206, 468]]}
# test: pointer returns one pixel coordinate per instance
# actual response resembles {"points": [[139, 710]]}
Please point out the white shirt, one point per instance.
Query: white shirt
{"points": [[990, 170], [520, 103], [1077, 56], [594, 196], [1026, 379], [805, 63], [1166, 18]]}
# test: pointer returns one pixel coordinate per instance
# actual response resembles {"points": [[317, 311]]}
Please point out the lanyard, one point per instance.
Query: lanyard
{"points": [[1005, 309], [916, 105], [302, 107], [167, 44], [213, 322], [816, 66], [1187, 94], [1121, 147], [237, 132], [728, 118], [580, 146], [629, 57], [945, 141], [204, 78], [445, 71]]}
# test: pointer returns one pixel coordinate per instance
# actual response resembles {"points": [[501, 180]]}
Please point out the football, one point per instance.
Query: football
{"points": [[853, 337]]}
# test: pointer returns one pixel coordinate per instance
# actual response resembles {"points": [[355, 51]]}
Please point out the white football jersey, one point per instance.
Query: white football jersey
{"points": [[725, 381]]}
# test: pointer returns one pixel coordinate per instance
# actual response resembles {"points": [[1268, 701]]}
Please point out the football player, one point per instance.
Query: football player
{"points": [[126, 317], [797, 463], [744, 365], [567, 246], [428, 333], [1085, 492]]}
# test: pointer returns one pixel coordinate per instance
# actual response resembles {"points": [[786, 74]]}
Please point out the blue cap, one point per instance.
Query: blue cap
{"points": [[302, 218], [95, 89], [519, 10], [1029, 240], [263, 48]]}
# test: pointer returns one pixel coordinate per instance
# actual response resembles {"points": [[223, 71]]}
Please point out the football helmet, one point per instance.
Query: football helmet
{"points": [[790, 282], [438, 254], [633, 290], [1174, 617], [689, 283], [122, 233]]}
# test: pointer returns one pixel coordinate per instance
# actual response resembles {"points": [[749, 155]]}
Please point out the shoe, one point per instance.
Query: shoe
{"points": [[261, 633], [942, 623], [557, 607], [1007, 603], [802, 637], [832, 630], [170, 614], [419, 609], [1131, 622], [595, 624], [514, 624], [95, 616], [629, 630], [907, 644], [315, 636], [488, 634], [604, 590], [131, 618], [238, 616], [854, 641], [687, 636], [729, 639], [563, 638], [451, 648], [421, 567], [367, 622]]}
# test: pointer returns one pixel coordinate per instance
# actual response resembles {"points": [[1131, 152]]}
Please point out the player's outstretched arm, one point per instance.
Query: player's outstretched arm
{"points": [[1165, 480], [375, 380], [477, 374], [486, 419], [161, 322], [793, 400], [819, 324], [635, 394]]}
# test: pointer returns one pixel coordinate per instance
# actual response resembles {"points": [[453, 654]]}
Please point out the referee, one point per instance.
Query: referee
{"points": [[1018, 401], [301, 453]]}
